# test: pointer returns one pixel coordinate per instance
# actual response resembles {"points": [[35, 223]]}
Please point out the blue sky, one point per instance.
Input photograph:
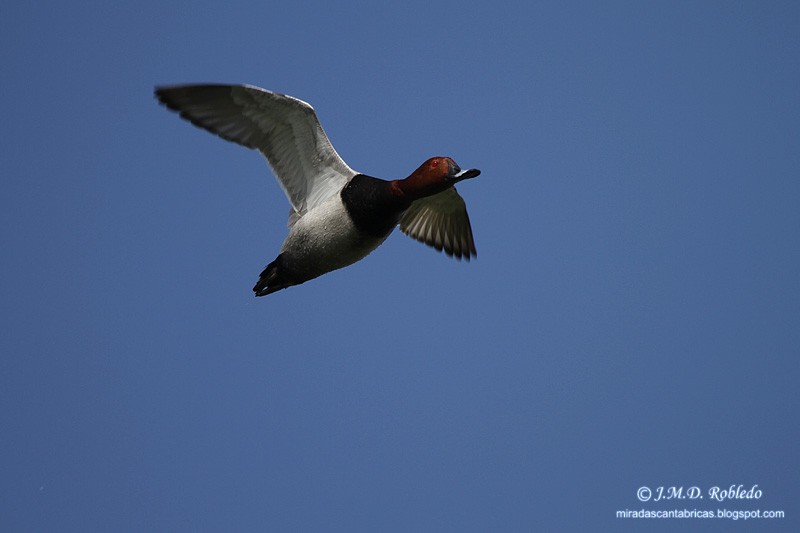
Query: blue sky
{"points": [[631, 319]]}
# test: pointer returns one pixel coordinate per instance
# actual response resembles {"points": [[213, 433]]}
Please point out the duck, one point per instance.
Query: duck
{"points": [[338, 216]]}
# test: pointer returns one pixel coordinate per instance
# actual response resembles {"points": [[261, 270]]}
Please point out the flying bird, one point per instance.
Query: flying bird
{"points": [[338, 215]]}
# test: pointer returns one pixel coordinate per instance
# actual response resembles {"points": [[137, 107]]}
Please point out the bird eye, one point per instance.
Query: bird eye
{"points": [[435, 163]]}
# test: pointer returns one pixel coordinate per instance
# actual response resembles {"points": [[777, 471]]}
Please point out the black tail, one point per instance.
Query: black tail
{"points": [[273, 278]]}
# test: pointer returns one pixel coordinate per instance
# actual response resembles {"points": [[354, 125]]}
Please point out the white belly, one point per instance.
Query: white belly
{"points": [[325, 239]]}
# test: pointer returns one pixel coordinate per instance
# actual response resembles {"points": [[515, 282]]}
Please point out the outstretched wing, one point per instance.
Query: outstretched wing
{"points": [[441, 221], [284, 129]]}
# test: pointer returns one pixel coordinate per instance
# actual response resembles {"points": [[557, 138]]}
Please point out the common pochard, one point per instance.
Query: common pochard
{"points": [[338, 215]]}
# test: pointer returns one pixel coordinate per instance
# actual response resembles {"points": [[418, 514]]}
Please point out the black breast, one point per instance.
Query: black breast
{"points": [[375, 211]]}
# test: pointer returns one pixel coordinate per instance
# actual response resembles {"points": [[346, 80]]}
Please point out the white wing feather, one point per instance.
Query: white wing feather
{"points": [[284, 129], [441, 221]]}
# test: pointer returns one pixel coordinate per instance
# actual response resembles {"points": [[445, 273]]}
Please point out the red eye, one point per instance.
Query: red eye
{"points": [[435, 163]]}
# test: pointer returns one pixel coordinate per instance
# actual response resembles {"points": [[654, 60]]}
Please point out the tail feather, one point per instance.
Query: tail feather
{"points": [[273, 278]]}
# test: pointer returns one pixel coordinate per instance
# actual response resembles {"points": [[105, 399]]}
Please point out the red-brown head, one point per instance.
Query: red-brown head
{"points": [[435, 175]]}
